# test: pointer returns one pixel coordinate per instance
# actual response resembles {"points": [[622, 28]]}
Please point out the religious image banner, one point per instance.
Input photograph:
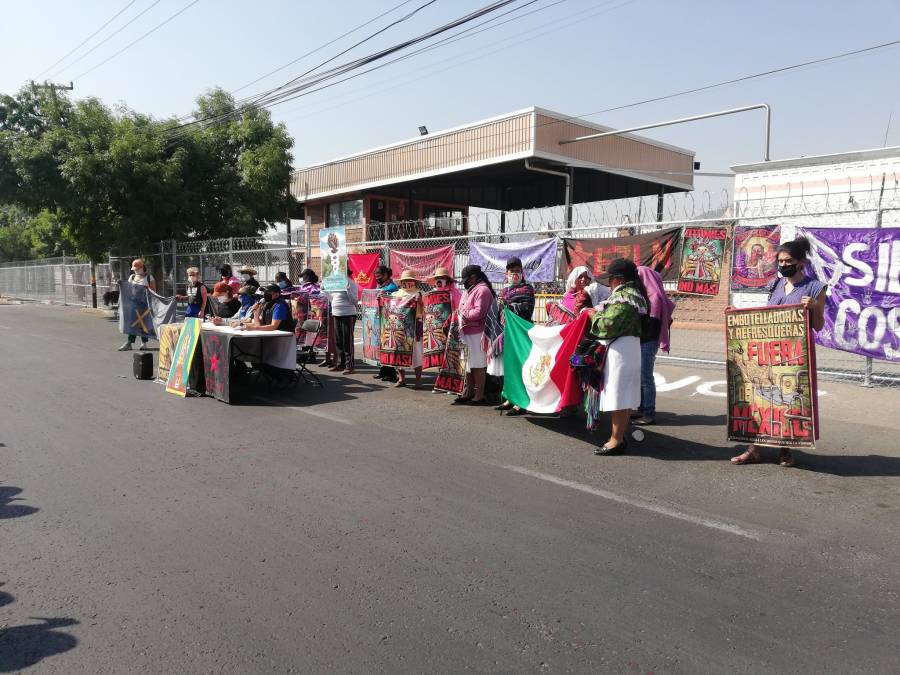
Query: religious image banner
{"points": [[398, 330], [656, 250], [770, 364], [754, 264], [319, 310], [179, 373], [362, 267], [538, 258], [435, 322], [422, 261], [168, 339], [452, 375], [333, 252], [371, 326], [702, 255], [861, 267]]}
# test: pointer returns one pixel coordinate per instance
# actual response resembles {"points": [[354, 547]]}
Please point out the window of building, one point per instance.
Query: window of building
{"points": [[442, 221], [345, 213]]}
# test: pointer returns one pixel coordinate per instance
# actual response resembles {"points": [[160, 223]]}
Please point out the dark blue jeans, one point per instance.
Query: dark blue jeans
{"points": [[648, 385]]}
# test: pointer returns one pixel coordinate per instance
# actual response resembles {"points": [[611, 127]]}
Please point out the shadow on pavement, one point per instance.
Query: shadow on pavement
{"points": [[8, 510], [5, 598], [24, 646]]}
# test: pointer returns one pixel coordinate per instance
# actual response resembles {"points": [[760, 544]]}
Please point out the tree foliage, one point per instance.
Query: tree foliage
{"points": [[93, 178]]}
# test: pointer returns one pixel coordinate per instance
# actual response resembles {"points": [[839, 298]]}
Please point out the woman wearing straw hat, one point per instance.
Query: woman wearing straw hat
{"points": [[409, 287], [442, 280]]}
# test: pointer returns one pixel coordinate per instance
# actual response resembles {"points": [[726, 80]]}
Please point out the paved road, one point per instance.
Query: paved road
{"points": [[363, 529]]}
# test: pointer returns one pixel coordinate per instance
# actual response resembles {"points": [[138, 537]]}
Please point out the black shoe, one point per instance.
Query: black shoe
{"points": [[461, 400], [615, 450], [377, 376], [516, 412], [635, 414]]}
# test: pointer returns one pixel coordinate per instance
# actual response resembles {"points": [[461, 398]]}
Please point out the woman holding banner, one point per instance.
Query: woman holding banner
{"points": [[794, 287], [409, 289], [518, 297]]}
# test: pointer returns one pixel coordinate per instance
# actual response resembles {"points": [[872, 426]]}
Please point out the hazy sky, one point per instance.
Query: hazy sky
{"points": [[575, 57]]}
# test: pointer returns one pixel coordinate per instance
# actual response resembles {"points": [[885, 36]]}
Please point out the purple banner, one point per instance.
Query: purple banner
{"points": [[538, 258], [862, 270]]}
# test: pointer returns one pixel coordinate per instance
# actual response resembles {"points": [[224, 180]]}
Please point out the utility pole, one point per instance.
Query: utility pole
{"points": [[53, 89]]}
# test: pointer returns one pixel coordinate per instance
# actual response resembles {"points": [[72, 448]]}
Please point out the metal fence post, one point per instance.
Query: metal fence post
{"points": [[65, 295], [231, 250], [93, 285], [174, 267]]}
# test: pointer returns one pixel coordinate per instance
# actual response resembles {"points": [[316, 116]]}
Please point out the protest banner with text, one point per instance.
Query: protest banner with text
{"points": [[333, 252], [422, 261], [538, 258], [702, 254], [772, 396], [371, 326], [398, 330], [179, 373], [656, 250], [435, 322]]}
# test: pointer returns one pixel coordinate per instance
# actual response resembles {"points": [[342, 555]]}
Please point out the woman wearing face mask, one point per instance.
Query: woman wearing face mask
{"points": [[138, 277], [409, 288], [518, 297], [196, 295], [223, 305], [619, 325], [443, 280], [227, 276], [309, 282], [284, 283], [582, 291], [793, 287], [475, 305], [248, 278]]}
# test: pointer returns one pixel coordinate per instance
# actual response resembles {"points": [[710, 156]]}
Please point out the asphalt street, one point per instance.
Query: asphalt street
{"points": [[359, 528]]}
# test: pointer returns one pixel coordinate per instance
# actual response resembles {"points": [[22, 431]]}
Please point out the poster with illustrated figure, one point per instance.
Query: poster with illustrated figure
{"points": [[702, 254], [452, 375], [371, 326], [435, 322], [168, 339], [770, 364], [333, 251], [179, 373], [397, 330], [753, 265]]}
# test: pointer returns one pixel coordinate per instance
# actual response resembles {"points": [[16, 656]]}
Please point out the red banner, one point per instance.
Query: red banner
{"points": [[654, 249], [422, 261], [362, 267]]}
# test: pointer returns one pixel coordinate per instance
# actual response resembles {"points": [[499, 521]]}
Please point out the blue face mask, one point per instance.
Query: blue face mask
{"points": [[282, 284]]}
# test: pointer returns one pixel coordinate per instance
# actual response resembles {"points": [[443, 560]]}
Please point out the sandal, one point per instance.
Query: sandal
{"points": [[746, 457], [399, 383], [785, 458], [504, 406], [462, 400], [515, 412]]}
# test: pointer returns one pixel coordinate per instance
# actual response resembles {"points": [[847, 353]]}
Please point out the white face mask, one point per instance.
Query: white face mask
{"points": [[513, 278], [139, 271], [245, 277], [221, 298]]}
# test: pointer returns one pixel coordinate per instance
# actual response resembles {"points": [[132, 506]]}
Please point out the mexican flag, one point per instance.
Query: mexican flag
{"points": [[537, 376]]}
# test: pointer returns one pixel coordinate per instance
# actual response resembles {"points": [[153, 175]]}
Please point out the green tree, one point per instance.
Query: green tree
{"points": [[15, 238]]}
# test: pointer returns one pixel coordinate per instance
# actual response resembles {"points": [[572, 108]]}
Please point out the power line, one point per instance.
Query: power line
{"points": [[321, 47], [83, 42], [134, 42], [582, 117], [274, 96], [107, 38]]}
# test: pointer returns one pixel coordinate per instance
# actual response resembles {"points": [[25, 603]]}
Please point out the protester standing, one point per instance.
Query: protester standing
{"points": [[228, 277], [583, 291], [248, 278], [474, 307], [654, 338], [285, 285], [309, 282], [409, 289], [343, 310], [196, 295], [517, 297], [138, 277], [442, 280], [794, 287], [618, 325], [388, 287]]}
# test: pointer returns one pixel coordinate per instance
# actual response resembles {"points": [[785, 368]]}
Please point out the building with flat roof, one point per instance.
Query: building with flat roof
{"points": [[509, 162]]}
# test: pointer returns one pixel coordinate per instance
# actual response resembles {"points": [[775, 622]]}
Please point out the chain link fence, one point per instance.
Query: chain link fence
{"points": [[64, 280]]}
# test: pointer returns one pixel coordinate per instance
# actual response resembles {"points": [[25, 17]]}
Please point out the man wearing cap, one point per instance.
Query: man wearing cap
{"points": [[273, 314], [229, 278], [385, 283]]}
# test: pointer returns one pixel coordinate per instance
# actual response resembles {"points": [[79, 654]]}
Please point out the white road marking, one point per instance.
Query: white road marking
{"points": [[307, 411], [637, 503], [662, 385], [707, 388]]}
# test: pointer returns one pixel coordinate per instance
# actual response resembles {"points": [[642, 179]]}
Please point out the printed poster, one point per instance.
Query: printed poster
{"points": [[862, 270], [422, 261], [754, 264], [319, 310], [217, 364], [168, 339], [299, 311], [435, 322], [371, 327], [771, 377], [177, 382], [538, 258], [702, 254], [452, 375], [362, 267], [333, 251], [398, 330], [655, 249]]}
